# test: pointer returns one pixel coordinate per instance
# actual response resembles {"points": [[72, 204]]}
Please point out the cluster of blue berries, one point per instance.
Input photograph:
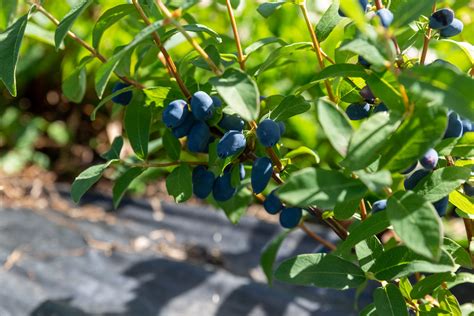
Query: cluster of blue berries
{"points": [[457, 126], [444, 21], [289, 216], [362, 110], [385, 15]]}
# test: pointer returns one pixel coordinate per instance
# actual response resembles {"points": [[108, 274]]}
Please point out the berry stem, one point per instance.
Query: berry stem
{"points": [[318, 238], [426, 40], [378, 4], [188, 37], [240, 53], [317, 48], [363, 210], [84, 44], [167, 58]]}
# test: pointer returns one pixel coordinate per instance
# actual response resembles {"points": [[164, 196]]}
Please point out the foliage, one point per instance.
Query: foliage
{"points": [[285, 99]]}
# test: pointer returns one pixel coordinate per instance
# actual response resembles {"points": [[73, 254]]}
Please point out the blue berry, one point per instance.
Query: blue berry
{"points": [[184, 128], [241, 171], [467, 126], [290, 217], [386, 17], [202, 106], [363, 5], [367, 95], [282, 127], [262, 170], [231, 143], [381, 108], [452, 29], [203, 181], [268, 132], [468, 189], [175, 113], [441, 206], [411, 182], [231, 122], [430, 159], [198, 138], [454, 128], [361, 60], [272, 203], [379, 206], [223, 189], [123, 98], [357, 111], [409, 169], [441, 19], [216, 101]]}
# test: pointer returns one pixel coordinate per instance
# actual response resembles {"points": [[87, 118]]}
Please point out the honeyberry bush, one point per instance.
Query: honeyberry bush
{"points": [[387, 85]]}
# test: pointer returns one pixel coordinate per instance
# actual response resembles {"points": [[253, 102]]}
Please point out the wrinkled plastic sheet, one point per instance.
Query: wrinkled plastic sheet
{"points": [[60, 273]]}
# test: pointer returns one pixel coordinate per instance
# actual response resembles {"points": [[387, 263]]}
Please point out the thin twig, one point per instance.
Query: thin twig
{"points": [[363, 210], [378, 4], [426, 40], [318, 238], [168, 60], [316, 47], [188, 37], [240, 54]]}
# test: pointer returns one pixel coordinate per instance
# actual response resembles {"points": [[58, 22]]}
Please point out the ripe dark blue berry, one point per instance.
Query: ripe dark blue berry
{"points": [[202, 106], [363, 62], [230, 144], [231, 122], [411, 182], [441, 19], [290, 217], [262, 170], [409, 169], [430, 159], [123, 98], [441, 206], [175, 113], [468, 189], [452, 29], [467, 126], [185, 127], [282, 127], [381, 108], [379, 206], [268, 132], [272, 203], [454, 128], [216, 101], [367, 95], [363, 5], [198, 138], [386, 17], [223, 189], [358, 111], [203, 181]]}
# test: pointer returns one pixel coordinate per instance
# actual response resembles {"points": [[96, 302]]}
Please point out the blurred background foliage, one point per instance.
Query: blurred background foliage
{"points": [[43, 127]]}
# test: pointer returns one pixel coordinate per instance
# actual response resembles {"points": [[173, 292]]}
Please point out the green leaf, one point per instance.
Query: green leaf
{"points": [[459, 254], [74, 87], [107, 99], [172, 145], [441, 182], [353, 10], [374, 224], [268, 256], [369, 310], [290, 106], [386, 91], [137, 123], [268, 8], [377, 181], [328, 21], [405, 287], [194, 28], [157, 96], [367, 50], [368, 142], [262, 43], [368, 251], [335, 124], [278, 54], [115, 149], [462, 202], [448, 302], [109, 18], [235, 208], [10, 42], [345, 209], [105, 71], [415, 136], [460, 278], [67, 22], [411, 10], [464, 146], [443, 86], [179, 184], [322, 270], [320, 187], [240, 92], [7, 12], [123, 182], [416, 223], [400, 262], [303, 151], [389, 301], [86, 179], [429, 284]]}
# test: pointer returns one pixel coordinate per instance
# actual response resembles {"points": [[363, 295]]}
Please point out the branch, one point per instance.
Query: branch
{"points": [[426, 40], [318, 238], [240, 54]]}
